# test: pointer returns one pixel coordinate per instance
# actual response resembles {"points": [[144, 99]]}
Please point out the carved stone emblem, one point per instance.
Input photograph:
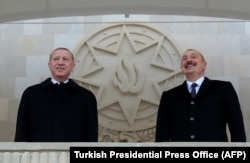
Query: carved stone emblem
{"points": [[127, 66]]}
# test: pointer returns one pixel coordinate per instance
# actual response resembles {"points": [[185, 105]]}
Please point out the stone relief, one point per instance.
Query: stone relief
{"points": [[127, 66]]}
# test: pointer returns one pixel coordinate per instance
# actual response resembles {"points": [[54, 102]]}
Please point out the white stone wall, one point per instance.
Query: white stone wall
{"points": [[25, 47]]}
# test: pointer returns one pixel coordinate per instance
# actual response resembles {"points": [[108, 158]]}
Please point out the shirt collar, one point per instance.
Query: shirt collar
{"points": [[56, 82], [198, 82]]}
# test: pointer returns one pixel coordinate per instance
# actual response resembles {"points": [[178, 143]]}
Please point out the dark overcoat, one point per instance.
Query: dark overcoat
{"points": [[204, 118], [57, 113]]}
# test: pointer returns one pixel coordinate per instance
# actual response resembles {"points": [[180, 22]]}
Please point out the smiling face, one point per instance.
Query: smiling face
{"points": [[61, 64], [193, 64]]}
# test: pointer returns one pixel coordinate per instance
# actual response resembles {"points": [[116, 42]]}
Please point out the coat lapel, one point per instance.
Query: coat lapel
{"points": [[184, 91], [205, 86]]}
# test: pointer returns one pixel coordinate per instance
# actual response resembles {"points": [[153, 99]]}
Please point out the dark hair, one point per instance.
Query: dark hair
{"points": [[197, 52], [62, 48]]}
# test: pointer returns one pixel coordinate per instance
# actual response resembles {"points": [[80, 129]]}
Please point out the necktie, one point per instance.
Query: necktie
{"points": [[193, 91]]}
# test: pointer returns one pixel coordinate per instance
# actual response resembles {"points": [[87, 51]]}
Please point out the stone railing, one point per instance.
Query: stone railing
{"points": [[11, 152], [34, 153]]}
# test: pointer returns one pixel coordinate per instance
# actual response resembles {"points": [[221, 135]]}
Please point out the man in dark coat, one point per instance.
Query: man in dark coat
{"points": [[210, 116], [57, 109]]}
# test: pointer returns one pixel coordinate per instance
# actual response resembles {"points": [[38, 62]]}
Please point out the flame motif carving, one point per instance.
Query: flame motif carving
{"points": [[128, 77]]}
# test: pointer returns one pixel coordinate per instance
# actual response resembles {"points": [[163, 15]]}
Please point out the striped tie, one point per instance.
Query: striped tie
{"points": [[193, 91]]}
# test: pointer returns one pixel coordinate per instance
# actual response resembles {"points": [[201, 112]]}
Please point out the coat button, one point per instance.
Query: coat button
{"points": [[192, 137], [191, 118], [192, 102]]}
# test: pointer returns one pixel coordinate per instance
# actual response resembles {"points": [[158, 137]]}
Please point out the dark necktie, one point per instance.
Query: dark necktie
{"points": [[193, 91]]}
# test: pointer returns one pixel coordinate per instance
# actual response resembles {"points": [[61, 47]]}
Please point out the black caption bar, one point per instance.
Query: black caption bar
{"points": [[78, 154]]}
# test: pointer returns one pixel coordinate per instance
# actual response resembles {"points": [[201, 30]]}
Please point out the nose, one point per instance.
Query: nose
{"points": [[189, 59], [60, 61]]}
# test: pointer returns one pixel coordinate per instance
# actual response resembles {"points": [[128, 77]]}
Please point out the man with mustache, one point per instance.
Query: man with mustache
{"points": [[212, 114], [57, 109]]}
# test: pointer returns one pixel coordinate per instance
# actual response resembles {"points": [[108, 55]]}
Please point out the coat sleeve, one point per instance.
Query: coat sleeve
{"points": [[234, 115], [22, 127], [92, 118], [162, 124]]}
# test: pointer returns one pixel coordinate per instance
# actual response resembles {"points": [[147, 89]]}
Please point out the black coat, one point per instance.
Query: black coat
{"points": [[57, 113], [204, 119]]}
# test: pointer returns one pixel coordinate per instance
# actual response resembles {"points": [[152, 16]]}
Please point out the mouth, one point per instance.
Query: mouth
{"points": [[60, 68], [190, 65]]}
